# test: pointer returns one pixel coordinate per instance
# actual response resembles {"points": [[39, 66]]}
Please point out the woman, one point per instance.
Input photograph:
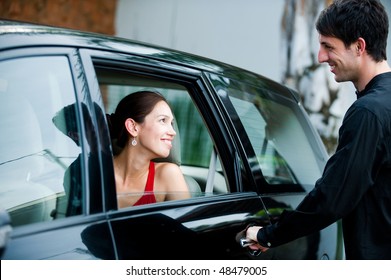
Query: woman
{"points": [[141, 129]]}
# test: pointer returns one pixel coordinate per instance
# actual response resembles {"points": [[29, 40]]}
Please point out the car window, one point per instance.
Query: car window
{"points": [[196, 156], [36, 146], [276, 130]]}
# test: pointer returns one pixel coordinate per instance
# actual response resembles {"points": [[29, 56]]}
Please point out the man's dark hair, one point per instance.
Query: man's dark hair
{"points": [[349, 20]]}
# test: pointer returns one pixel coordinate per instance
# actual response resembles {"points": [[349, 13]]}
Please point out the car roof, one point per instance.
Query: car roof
{"points": [[17, 34]]}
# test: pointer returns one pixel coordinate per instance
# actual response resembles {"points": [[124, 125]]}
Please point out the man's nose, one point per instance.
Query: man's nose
{"points": [[322, 56]]}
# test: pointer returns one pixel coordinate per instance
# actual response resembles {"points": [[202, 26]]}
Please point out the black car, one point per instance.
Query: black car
{"points": [[244, 144]]}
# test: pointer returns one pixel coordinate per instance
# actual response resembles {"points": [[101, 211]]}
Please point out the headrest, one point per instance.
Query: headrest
{"points": [[18, 122]]}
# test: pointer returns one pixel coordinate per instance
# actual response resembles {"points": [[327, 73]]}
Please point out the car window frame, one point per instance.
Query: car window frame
{"points": [[288, 98], [82, 95], [190, 78]]}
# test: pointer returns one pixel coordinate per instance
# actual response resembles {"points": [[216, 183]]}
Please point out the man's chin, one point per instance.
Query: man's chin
{"points": [[339, 79]]}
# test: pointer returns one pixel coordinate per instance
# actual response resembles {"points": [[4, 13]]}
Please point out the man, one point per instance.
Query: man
{"points": [[356, 183]]}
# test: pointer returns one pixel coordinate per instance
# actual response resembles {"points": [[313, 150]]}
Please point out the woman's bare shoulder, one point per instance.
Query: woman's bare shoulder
{"points": [[170, 176], [166, 168]]}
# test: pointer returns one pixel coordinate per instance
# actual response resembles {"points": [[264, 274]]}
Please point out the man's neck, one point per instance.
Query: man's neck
{"points": [[370, 71]]}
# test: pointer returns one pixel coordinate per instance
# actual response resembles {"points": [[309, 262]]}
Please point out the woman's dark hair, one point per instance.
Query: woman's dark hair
{"points": [[137, 106], [349, 20]]}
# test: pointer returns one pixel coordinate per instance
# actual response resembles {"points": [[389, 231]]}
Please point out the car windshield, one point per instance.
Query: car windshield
{"points": [[277, 129]]}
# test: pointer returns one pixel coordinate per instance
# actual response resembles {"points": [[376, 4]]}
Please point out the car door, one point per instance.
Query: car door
{"points": [[284, 153], [205, 225], [50, 160]]}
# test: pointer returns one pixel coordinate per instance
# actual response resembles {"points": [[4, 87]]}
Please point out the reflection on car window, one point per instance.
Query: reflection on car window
{"points": [[275, 130], [195, 144], [35, 153]]}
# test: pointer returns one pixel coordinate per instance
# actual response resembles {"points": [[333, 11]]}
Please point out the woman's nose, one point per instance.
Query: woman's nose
{"points": [[172, 131]]}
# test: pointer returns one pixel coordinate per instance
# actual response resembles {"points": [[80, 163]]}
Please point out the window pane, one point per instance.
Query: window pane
{"points": [[275, 128], [35, 148]]}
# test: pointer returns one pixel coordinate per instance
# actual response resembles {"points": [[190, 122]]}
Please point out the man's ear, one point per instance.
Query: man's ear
{"points": [[131, 126], [361, 46]]}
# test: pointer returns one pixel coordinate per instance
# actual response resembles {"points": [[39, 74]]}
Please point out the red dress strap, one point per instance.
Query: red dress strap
{"points": [[151, 177], [148, 196]]}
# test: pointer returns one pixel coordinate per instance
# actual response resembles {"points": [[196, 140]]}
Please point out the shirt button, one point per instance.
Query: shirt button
{"points": [[268, 244]]}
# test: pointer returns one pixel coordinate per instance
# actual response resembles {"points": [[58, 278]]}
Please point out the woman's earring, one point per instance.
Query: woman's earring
{"points": [[134, 142]]}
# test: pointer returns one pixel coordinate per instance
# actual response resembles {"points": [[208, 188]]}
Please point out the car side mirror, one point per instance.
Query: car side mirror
{"points": [[5, 230]]}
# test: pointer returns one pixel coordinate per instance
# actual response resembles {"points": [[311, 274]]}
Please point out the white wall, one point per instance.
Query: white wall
{"points": [[244, 33]]}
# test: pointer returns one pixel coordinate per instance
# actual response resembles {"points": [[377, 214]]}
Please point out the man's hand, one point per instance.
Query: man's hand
{"points": [[251, 235]]}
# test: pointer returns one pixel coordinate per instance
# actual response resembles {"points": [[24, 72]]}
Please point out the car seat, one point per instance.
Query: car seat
{"points": [[22, 191]]}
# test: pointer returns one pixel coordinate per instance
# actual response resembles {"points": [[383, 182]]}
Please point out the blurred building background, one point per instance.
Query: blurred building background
{"points": [[275, 38], [88, 15]]}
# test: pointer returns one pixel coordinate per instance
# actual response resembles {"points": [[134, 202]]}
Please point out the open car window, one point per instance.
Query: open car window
{"points": [[193, 150]]}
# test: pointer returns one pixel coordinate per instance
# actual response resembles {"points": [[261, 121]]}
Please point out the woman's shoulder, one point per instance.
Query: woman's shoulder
{"points": [[166, 168], [169, 177]]}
